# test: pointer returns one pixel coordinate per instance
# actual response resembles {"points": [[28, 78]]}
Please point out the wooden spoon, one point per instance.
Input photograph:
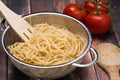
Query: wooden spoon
{"points": [[21, 27], [109, 59]]}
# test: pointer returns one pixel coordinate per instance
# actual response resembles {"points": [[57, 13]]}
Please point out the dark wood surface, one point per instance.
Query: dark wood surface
{"points": [[24, 7]]}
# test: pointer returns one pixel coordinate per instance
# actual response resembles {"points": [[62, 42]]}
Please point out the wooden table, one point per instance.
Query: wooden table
{"points": [[24, 7]]}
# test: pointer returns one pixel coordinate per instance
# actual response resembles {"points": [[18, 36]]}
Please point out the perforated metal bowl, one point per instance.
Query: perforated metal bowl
{"points": [[50, 72]]}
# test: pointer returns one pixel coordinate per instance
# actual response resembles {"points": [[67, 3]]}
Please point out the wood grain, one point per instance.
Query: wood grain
{"points": [[115, 5], [21, 7], [41, 6], [3, 56], [24, 7], [101, 74], [3, 62], [59, 5]]}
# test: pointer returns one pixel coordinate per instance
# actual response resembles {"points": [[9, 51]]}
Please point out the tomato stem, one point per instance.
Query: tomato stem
{"points": [[82, 4], [97, 10], [112, 13]]}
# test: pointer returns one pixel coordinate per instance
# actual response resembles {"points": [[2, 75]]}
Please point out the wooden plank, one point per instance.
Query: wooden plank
{"points": [[117, 27], [101, 74], [5, 2], [59, 5], [115, 5], [41, 6], [21, 7], [49, 5], [3, 57], [3, 63]]}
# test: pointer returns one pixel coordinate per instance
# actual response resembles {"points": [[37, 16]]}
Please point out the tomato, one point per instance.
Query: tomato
{"points": [[75, 11], [92, 7], [98, 23]]}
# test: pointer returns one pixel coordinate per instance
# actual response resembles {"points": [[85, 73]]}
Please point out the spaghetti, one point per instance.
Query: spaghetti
{"points": [[50, 45]]}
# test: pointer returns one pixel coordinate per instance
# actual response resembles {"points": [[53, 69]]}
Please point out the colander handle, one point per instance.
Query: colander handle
{"points": [[89, 64], [3, 24]]}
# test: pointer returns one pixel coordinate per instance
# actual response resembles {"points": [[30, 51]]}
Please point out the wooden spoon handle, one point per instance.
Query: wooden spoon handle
{"points": [[16, 22], [114, 76], [113, 71], [11, 17]]}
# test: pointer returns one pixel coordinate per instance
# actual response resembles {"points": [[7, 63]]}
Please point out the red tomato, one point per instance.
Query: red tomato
{"points": [[92, 7], [98, 24], [75, 11]]}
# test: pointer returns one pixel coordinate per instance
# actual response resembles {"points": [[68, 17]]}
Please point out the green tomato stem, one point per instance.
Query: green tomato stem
{"points": [[82, 4], [97, 10], [112, 14]]}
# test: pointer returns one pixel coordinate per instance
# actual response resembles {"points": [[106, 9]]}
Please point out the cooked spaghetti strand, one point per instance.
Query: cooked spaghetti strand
{"points": [[50, 45]]}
